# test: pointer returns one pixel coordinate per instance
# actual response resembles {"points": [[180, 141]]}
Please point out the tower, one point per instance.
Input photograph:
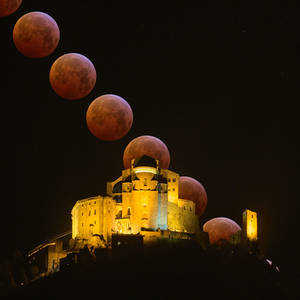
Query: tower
{"points": [[249, 237], [147, 199]]}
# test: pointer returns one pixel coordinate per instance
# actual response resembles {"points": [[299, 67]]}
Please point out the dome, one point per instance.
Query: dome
{"points": [[191, 189], [220, 230]]}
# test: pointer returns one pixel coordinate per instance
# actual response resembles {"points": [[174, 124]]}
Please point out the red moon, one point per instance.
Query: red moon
{"points": [[72, 76], [36, 34], [147, 145], [220, 229], [7, 7], [191, 189], [109, 117]]}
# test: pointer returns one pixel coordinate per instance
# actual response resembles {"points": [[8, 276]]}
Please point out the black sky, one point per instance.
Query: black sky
{"points": [[218, 83]]}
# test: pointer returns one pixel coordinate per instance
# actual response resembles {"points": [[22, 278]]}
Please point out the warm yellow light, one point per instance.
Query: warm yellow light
{"points": [[145, 170], [251, 225], [40, 247]]}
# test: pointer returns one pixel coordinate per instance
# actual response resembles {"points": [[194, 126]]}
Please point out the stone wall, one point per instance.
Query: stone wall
{"points": [[143, 198]]}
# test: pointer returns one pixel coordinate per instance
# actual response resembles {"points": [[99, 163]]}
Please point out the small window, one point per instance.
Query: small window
{"points": [[128, 211], [190, 209], [89, 213], [174, 179], [95, 202], [173, 189], [94, 222], [169, 179], [94, 211], [169, 189], [184, 207], [82, 225], [82, 214]]}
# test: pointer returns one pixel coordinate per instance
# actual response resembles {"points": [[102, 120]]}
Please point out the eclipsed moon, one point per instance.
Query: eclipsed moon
{"points": [[220, 230], [7, 7], [109, 117], [36, 34], [147, 145], [72, 76], [191, 189]]}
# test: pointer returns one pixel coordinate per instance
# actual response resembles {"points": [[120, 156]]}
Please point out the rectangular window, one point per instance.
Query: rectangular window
{"points": [[95, 202], [173, 189], [94, 211], [82, 214], [89, 213], [169, 179], [174, 179], [82, 224]]}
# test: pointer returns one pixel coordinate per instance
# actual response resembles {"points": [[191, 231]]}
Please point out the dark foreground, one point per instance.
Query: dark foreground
{"points": [[164, 272]]}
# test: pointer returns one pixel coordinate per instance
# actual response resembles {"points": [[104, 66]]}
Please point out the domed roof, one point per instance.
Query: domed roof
{"points": [[191, 189], [220, 229]]}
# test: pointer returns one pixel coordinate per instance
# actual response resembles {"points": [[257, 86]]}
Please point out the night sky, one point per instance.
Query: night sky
{"points": [[218, 83]]}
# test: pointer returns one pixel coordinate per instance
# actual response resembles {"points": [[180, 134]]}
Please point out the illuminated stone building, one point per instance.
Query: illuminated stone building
{"points": [[143, 200]]}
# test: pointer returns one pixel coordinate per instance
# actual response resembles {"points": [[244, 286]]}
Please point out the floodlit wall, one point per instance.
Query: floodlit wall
{"points": [[85, 217], [250, 225], [187, 215], [162, 217], [174, 216], [140, 201], [172, 179], [93, 216]]}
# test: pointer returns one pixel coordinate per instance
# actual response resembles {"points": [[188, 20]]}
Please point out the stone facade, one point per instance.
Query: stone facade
{"points": [[143, 199]]}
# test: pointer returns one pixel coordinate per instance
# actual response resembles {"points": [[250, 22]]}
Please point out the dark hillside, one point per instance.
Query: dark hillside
{"points": [[182, 271]]}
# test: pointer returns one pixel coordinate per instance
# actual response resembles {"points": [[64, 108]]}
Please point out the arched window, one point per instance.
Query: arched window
{"points": [[128, 211]]}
